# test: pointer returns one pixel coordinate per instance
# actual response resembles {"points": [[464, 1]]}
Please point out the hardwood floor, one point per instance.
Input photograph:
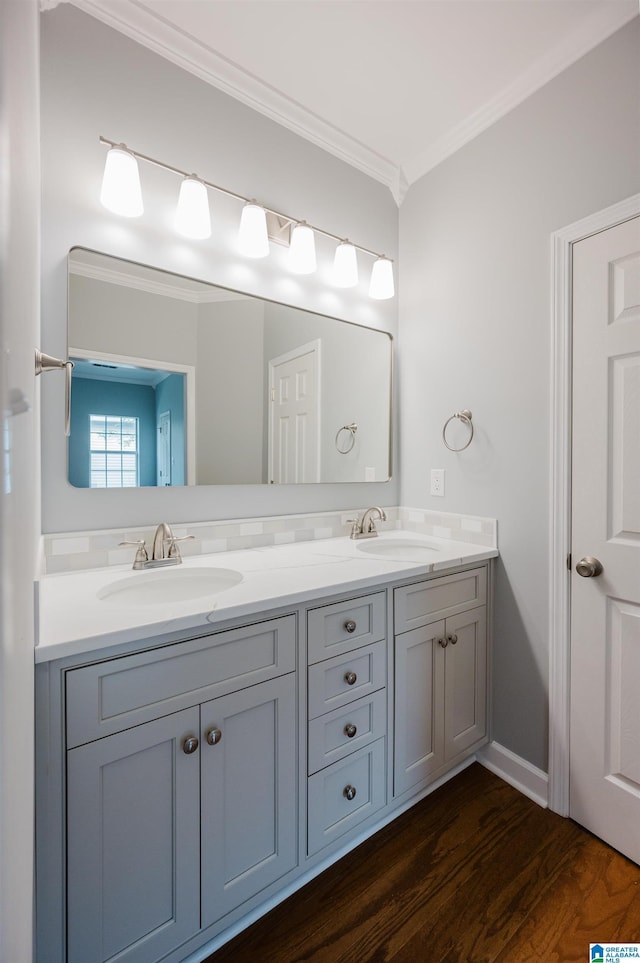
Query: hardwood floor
{"points": [[474, 873]]}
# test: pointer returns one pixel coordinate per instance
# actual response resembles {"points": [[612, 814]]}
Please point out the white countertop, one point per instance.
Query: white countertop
{"points": [[72, 618]]}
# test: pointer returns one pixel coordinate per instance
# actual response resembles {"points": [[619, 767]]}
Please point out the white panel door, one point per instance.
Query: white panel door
{"points": [[605, 607], [294, 429]]}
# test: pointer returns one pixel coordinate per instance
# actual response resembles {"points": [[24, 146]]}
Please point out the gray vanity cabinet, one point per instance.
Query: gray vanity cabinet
{"points": [[195, 779], [133, 839], [440, 675]]}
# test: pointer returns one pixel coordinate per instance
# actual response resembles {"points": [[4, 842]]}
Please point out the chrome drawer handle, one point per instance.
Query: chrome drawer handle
{"points": [[452, 638], [190, 745], [443, 642], [350, 626], [350, 678], [350, 730], [349, 792], [214, 736]]}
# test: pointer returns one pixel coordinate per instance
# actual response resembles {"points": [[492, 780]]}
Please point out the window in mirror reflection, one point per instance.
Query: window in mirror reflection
{"points": [[137, 437], [113, 452]]}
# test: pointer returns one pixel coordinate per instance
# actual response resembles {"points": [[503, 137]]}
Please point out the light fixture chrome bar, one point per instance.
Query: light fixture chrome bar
{"points": [[239, 197]]}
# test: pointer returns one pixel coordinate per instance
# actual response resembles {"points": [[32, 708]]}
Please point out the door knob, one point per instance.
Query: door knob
{"points": [[589, 567]]}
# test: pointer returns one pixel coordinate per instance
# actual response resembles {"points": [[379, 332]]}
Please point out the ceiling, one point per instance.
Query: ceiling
{"points": [[390, 86]]}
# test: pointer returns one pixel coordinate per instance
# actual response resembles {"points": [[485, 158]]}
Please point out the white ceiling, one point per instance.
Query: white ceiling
{"points": [[391, 86]]}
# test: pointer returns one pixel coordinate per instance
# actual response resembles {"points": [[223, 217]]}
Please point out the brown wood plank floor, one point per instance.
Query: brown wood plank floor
{"points": [[475, 873]]}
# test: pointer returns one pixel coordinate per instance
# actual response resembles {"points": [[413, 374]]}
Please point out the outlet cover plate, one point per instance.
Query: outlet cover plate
{"points": [[437, 481]]}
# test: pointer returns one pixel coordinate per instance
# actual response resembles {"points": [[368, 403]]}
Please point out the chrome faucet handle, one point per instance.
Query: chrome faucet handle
{"points": [[174, 550], [142, 555], [355, 526]]}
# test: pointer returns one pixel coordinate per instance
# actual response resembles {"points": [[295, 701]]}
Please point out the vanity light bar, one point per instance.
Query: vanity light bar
{"points": [[121, 194]]}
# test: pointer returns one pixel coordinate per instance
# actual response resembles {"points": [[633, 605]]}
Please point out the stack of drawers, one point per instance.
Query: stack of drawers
{"points": [[347, 709]]}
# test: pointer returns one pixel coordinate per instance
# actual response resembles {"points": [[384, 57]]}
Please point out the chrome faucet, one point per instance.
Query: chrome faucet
{"points": [[165, 550], [365, 527], [163, 543]]}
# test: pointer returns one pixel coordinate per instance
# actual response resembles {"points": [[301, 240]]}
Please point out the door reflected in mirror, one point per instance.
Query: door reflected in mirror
{"points": [[180, 382]]}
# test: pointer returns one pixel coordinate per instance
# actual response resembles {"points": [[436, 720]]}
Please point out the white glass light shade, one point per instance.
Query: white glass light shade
{"points": [[381, 284], [345, 266], [121, 192], [302, 250], [253, 239], [192, 214]]}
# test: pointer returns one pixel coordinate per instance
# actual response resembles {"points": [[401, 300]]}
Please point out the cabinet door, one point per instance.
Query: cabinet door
{"points": [[249, 783], [419, 692], [465, 672], [133, 842]]}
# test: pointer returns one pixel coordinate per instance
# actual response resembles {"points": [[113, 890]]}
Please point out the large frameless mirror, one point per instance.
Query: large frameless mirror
{"points": [[180, 382]]}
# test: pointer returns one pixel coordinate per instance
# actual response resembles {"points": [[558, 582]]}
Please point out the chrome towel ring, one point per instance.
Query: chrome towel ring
{"points": [[465, 417], [349, 442]]}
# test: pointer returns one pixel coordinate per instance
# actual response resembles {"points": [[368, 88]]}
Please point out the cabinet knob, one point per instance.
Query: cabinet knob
{"points": [[349, 792], [350, 730], [214, 736], [443, 642], [453, 638], [350, 625], [350, 678], [190, 745]]}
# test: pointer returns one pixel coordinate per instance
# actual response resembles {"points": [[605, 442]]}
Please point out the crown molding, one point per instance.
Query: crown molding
{"points": [[209, 295], [598, 27], [152, 31]]}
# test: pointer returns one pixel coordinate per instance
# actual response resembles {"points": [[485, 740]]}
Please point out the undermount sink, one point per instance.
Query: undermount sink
{"points": [[403, 549], [166, 586]]}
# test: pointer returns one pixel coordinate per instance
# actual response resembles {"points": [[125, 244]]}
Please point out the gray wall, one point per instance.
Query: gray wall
{"points": [[96, 81], [229, 440], [475, 332], [125, 321]]}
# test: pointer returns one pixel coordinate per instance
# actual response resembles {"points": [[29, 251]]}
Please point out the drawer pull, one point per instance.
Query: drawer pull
{"points": [[453, 638], [349, 792], [214, 736], [350, 625], [190, 745], [350, 730], [350, 678], [443, 642]]}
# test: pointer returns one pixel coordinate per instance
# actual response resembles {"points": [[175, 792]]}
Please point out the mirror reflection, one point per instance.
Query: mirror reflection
{"points": [[180, 382]]}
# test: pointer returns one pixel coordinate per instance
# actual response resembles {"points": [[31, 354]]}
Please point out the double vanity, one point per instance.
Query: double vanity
{"points": [[213, 734]]}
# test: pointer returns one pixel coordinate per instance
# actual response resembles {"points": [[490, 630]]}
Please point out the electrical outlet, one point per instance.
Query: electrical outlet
{"points": [[437, 481]]}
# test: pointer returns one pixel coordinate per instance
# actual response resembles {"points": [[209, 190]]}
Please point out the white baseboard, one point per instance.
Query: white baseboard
{"points": [[515, 770]]}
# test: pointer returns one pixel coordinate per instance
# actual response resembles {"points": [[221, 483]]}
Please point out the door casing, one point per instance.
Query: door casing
{"points": [[560, 490]]}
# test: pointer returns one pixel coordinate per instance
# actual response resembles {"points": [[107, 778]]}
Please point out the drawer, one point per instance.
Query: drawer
{"points": [[338, 733], [438, 598], [331, 812], [346, 678], [114, 695], [337, 628]]}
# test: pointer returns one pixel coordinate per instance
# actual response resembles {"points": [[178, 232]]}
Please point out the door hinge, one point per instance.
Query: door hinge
{"points": [[569, 561], [273, 394]]}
